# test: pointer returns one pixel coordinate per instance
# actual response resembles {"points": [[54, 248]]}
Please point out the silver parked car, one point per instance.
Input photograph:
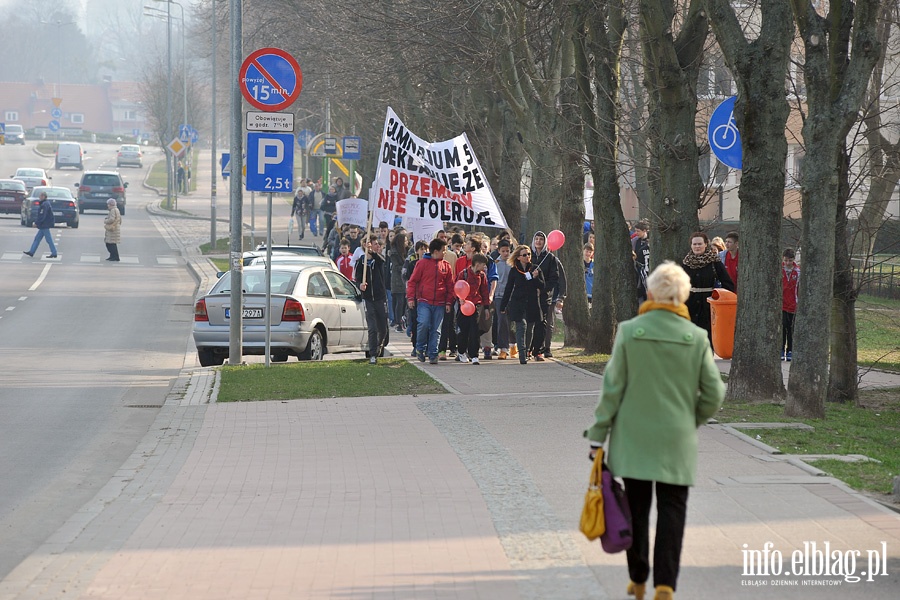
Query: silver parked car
{"points": [[314, 310]]}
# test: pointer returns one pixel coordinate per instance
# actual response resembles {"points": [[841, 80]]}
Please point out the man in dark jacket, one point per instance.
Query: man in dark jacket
{"points": [[44, 222], [549, 265], [369, 276]]}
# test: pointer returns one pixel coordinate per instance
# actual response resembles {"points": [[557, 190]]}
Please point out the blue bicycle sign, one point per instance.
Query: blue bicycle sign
{"points": [[724, 137]]}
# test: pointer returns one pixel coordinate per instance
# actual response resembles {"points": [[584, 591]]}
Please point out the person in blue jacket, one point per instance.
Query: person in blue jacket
{"points": [[44, 222]]}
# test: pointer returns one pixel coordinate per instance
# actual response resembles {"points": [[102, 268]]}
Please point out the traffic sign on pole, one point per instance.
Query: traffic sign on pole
{"points": [[226, 164], [723, 135], [56, 112], [53, 125], [270, 162], [351, 147], [270, 79], [303, 138]]}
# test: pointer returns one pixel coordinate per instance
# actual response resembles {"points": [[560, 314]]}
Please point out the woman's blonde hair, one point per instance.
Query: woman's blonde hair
{"points": [[514, 255], [669, 284]]}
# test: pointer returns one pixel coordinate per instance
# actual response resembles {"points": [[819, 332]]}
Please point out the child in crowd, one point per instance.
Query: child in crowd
{"points": [[344, 260], [790, 279], [587, 255], [501, 320], [469, 335], [411, 323]]}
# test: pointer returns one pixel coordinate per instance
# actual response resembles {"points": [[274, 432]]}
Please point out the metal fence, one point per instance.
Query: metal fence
{"points": [[881, 279]]}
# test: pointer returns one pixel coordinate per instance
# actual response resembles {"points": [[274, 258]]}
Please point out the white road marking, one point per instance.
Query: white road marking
{"points": [[167, 260], [12, 256], [23, 298], [90, 258], [9, 308], [40, 279]]}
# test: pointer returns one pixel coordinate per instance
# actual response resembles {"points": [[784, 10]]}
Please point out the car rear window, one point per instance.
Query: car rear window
{"points": [[29, 173], [111, 180], [130, 149], [12, 185], [255, 282], [14, 128]]}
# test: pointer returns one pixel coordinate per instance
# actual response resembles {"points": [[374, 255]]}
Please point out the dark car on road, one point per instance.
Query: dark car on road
{"points": [[15, 134], [96, 187], [12, 195], [65, 206]]}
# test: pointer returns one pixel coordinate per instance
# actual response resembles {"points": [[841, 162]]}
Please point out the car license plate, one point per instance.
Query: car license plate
{"points": [[247, 313], [57, 213]]}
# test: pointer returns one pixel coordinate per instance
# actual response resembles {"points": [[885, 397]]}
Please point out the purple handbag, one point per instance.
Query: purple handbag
{"points": [[618, 534]]}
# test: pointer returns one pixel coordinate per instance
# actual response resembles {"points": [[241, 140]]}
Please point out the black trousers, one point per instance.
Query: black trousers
{"points": [[540, 339], [377, 322], [113, 250], [671, 509], [469, 335], [448, 339], [787, 331]]}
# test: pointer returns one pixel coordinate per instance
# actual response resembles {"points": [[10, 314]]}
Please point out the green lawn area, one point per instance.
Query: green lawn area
{"points": [[878, 332], [871, 429], [223, 246], [324, 379]]}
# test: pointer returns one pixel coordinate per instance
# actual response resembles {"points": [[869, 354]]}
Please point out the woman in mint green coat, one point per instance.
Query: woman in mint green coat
{"points": [[660, 385]]}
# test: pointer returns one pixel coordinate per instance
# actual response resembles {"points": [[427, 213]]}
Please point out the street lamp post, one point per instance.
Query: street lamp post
{"points": [[59, 25], [167, 133]]}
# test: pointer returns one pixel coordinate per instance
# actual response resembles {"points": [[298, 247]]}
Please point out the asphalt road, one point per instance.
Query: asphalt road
{"points": [[85, 347]]}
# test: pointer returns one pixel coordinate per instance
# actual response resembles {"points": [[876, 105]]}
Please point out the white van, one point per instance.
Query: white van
{"points": [[69, 154]]}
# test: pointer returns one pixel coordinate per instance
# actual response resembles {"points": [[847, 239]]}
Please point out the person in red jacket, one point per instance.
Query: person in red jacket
{"points": [[469, 335], [790, 279], [344, 261], [430, 291]]}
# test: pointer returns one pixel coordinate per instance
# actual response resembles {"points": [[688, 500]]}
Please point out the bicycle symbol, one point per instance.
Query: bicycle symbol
{"points": [[725, 135]]}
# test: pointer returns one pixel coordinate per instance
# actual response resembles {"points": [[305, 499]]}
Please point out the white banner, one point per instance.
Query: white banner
{"points": [[441, 181], [422, 229], [353, 211]]}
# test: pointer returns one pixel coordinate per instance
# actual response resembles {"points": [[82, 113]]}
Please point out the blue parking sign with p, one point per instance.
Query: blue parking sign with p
{"points": [[270, 162]]}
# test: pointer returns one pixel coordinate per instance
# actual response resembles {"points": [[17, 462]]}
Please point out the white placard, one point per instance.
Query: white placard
{"points": [[270, 121], [353, 211], [422, 229]]}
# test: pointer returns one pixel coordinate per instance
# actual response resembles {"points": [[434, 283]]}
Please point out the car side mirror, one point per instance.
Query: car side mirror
{"points": [[76, 184], [219, 274], [126, 184]]}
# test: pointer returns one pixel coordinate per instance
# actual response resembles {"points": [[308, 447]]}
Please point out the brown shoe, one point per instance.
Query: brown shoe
{"points": [[664, 592], [636, 589], [503, 355], [539, 357], [513, 351]]}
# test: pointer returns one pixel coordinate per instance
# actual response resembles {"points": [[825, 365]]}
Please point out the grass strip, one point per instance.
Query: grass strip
{"points": [[871, 429], [324, 379]]}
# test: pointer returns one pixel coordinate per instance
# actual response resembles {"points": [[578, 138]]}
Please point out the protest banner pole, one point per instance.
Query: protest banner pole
{"points": [[366, 249]]}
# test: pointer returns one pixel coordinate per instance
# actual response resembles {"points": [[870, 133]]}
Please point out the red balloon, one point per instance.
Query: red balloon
{"points": [[555, 240], [461, 289], [468, 307]]}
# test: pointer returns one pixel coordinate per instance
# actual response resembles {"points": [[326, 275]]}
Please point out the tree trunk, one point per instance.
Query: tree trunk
{"points": [[843, 382], [836, 81], [671, 70], [761, 112]]}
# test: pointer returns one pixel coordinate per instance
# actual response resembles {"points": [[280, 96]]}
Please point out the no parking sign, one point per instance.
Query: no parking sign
{"points": [[270, 79]]}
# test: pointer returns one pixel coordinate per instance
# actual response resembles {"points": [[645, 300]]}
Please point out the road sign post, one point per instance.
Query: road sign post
{"points": [[270, 162], [270, 79], [723, 135]]}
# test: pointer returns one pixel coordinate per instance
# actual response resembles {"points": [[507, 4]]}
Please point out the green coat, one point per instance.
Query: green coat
{"points": [[659, 386]]}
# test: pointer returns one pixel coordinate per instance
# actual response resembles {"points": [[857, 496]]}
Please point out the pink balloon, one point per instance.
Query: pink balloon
{"points": [[468, 307], [461, 289], [555, 240]]}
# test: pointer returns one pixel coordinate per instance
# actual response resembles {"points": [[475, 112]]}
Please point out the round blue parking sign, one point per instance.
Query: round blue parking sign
{"points": [[270, 79], [723, 135]]}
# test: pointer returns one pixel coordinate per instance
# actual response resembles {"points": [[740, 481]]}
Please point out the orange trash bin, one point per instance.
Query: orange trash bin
{"points": [[722, 313]]}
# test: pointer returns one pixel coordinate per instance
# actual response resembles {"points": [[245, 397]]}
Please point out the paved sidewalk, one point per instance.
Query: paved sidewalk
{"points": [[470, 494]]}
